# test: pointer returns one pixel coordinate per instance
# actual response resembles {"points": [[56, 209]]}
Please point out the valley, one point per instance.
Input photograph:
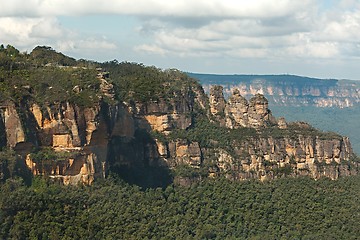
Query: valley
{"points": [[327, 104]]}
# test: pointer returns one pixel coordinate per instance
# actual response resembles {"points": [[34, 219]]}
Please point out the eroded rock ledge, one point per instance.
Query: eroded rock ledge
{"points": [[92, 140]]}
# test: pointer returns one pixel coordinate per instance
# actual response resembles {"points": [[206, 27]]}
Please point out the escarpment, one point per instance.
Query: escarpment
{"points": [[288, 90], [131, 119], [278, 148], [85, 142], [53, 138]]}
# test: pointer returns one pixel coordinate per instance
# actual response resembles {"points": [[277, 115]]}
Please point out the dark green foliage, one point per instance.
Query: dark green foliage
{"points": [[190, 172], [137, 82], [43, 55], [13, 166], [211, 135], [159, 136], [46, 76], [49, 154], [294, 130], [8, 162], [144, 177], [287, 208], [283, 171], [11, 58], [51, 84]]}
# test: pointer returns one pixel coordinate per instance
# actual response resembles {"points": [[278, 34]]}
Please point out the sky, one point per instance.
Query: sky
{"points": [[315, 38]]}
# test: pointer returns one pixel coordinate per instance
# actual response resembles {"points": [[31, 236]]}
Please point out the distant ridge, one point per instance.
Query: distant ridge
{"points": [[288, 89], [329, 104], [274, 78]]}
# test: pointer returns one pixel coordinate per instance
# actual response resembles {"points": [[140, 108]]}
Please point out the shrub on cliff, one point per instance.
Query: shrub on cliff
{"points": [[141, 83]]}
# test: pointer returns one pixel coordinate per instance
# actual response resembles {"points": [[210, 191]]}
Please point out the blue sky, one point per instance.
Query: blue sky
{"points": [[319, 38]]}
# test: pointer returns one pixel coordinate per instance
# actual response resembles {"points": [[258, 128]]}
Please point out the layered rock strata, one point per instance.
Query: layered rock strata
{"points": [[101, 136]]}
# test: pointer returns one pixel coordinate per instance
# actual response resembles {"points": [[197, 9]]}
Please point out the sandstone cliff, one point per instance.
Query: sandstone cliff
{"points": [[288, 90], [102, 136], [85, 142], [278, 148], [163, 120]]}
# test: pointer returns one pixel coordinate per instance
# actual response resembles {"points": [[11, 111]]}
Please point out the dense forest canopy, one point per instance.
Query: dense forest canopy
{"points": [[45, 75], [289, 208], [36, 208]]}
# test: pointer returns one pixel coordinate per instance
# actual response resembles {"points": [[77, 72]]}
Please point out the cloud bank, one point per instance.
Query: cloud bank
{"points": [[237, 29]]}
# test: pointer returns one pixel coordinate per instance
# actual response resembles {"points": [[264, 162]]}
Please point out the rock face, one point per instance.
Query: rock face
{"points": [[259, 114], [72, 171], [217, 104], [288, 90], [217, 101], [268, 158], [12, 125], [182, 152], [64, 128], [103, 136], [238, 112]]}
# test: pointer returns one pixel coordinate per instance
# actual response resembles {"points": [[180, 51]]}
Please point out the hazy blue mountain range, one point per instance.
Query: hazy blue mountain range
{"points": [[328, 104]]}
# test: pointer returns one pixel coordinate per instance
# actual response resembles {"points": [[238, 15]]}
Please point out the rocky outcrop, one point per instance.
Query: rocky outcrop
{"points": [[103, 135], [63, 127], [259, 113], [217, 101], [81, 169], [264, 156], [238, 112], [105, 87], [13, 128], [146, 134], [237, 109], [282, 124], [217, 104], [182, 152], [166, 115], [268, 158], [288, 90]]}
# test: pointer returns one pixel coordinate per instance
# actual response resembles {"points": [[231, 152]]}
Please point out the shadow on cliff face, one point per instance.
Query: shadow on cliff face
{"points": [[136, 161], [12, 166], [144, 177]]}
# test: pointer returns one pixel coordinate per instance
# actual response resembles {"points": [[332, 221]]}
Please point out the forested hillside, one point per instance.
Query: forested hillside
{"points": [[291, 208], [119, 150], [75, 121]]}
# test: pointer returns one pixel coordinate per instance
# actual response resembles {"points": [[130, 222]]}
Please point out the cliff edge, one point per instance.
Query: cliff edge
{"points": [[76, 123]]}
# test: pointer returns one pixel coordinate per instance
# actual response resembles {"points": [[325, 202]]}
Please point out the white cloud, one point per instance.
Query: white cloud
{"points": [[17, 30], [152, 49], [226, 29], [282, 30], [314, 50], [26, 33], [344, 28], [47, 28], [85, 44], [182, 8]]}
